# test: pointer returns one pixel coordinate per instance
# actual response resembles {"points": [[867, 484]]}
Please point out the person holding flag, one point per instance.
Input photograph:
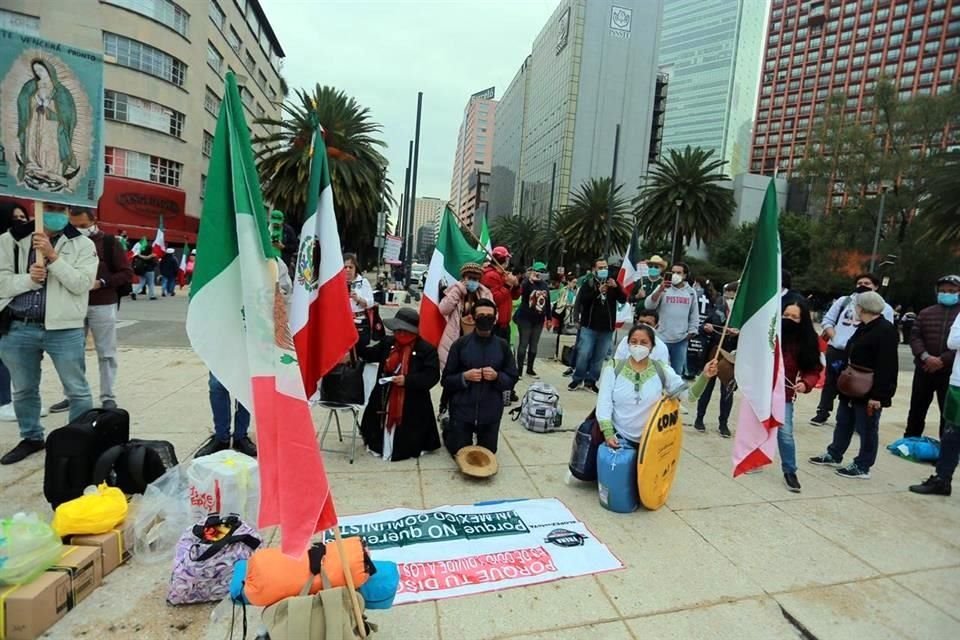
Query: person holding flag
{"points": [[145, 268], [182, 271]]}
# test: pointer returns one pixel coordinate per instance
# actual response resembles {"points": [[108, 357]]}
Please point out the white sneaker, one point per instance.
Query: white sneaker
{"points": [[44, 412], [7, 413]]}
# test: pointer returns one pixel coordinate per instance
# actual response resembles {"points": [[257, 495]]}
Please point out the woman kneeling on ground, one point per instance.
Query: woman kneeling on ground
{"points": [[628, 397]]}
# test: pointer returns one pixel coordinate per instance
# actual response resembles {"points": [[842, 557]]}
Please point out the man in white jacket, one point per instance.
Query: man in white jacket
{"points": [[939, 483], [46, 305]]}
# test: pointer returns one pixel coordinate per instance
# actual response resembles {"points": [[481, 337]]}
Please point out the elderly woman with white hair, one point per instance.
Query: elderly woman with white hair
{"points": [[866, 385]]}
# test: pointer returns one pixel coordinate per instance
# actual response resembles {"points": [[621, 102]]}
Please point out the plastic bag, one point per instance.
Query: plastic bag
{"points": [[918, 449], [224, 482], [98, 510], [160, 516], [28, 547]]}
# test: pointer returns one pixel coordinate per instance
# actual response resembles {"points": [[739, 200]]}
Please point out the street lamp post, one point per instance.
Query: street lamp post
{"points": [[676, 230], [876, 233]]}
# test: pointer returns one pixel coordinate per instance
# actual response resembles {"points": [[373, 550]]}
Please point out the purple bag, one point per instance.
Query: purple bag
{"points": [[202, 569]]}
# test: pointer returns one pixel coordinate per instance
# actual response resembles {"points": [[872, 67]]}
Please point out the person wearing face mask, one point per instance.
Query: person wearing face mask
{"points": [[503, 286], [679, 311], [629, 391], [712, 329], [479, 369], [659, 351], [169, 269], [361, 298], [533, 311], [649, 283], [114, 276], [47, 305], [872, 348], [839, 325], [933, 359], [801, 370], [457, 307], [10, 215], [399, 421], [598, 300]]}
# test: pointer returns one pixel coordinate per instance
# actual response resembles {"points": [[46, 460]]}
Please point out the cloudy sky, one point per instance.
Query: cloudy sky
{"points": [[383, 51]]}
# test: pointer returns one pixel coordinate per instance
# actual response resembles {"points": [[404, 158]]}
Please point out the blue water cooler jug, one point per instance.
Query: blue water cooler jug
{"points": [[617, 478]]}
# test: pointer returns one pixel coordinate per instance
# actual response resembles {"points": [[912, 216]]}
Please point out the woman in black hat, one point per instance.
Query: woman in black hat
{"points": [[399, 421]]}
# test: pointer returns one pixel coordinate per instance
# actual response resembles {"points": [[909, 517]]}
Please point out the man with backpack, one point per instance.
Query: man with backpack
{"points": [[45, 281], [114, 276]]}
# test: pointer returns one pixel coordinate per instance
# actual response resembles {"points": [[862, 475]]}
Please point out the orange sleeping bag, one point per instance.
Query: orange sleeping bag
{"points": [[273, 576]]}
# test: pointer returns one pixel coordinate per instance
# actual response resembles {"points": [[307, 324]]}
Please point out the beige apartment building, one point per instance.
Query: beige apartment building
{"points": [[474, 156], [165, 63]]}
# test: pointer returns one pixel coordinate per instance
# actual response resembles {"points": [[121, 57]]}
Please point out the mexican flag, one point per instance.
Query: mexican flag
{"points": [[159, 243], [182, 273], [485, 245], [451, 253], [320, 315], [756, 313], [629, 274], [237, 324], [137, 249]]}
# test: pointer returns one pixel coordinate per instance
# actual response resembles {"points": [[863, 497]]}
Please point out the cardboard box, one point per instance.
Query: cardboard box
{"points": [[84, 567], [26, 611], [110, 545]]}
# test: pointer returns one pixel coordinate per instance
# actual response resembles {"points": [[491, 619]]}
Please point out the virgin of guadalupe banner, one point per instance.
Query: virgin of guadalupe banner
{"points": [[51, 121], [459, 550]]}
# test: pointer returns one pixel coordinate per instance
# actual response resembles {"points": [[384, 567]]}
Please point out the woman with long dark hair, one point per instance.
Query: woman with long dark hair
{"points": [[801, 368]]}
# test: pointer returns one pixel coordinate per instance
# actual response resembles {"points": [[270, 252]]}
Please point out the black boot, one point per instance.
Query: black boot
{"points": [[932, 486]]}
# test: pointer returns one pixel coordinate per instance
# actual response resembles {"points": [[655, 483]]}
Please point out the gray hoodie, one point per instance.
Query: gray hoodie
{"points": [[679, 312]]}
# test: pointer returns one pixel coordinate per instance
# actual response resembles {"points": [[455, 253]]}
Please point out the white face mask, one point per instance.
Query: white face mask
{"points": [[676, 279], [639, 352], [89, 231]]}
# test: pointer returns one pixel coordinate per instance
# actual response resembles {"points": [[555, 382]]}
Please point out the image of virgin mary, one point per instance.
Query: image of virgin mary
{"points": [[46, 118]]}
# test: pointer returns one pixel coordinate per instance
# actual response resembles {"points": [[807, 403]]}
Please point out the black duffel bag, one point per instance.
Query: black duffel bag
{"points": [[344, 384]]}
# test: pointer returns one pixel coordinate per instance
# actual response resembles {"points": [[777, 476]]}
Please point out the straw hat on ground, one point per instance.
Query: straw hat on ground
{"points": [[477, 462]]}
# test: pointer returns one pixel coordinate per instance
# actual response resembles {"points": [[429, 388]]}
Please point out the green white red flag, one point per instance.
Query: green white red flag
{"points": [[320, 315], [629, 274], [159, 241], [485, 245], [451, 253], [756, 313], [136, 249], [237, 324]]}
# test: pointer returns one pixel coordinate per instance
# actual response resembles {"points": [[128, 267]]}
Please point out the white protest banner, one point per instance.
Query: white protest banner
{"points": [[391, 249], [464, 549]]}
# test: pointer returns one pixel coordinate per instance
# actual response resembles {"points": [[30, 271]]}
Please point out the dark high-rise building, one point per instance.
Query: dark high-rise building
{"points": [[818, 48]]}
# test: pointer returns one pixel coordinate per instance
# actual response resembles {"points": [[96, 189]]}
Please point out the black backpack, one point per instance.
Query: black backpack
{"points": [[132, 466], [127, 288], [72, 452]]}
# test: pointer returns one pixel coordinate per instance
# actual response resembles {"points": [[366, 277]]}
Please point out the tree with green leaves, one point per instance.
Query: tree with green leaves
{"points": [[941, 210], [582, 224], [358, 170], [692, 179], [526, 238]]}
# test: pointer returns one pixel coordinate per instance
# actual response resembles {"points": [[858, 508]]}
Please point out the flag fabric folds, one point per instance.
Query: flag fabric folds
{"points": [[320, 315], [159, 242], [756, 313], [237, 324], [485, 245], [628, 274], [451, 252]]}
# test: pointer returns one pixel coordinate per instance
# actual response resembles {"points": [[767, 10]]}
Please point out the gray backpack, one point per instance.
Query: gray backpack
{"points": [[539, 409]]}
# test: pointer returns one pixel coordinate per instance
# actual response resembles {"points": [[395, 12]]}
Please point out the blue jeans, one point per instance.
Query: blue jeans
{"points": [[726, 401], [169, 285], [5, 397], [853, 417], [221, 407], [592, 348], [22, 349], [786, 443], [678, 355], [147, 281]]}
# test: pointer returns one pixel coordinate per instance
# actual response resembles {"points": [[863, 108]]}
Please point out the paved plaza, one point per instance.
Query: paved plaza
{"points": [[725, 558]]}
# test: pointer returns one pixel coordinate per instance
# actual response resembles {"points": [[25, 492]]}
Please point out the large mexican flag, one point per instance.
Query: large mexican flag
{"points": [[237, 324], [759, 372], [628, 274], [451, 253]]}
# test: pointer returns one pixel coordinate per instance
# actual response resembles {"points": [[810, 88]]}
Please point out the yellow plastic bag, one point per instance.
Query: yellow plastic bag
{"points": [[98, 510], [659, 453]]}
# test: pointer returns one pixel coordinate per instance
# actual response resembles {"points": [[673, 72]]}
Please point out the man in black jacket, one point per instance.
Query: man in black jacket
{"points": [[597, 301], [480, 367]]}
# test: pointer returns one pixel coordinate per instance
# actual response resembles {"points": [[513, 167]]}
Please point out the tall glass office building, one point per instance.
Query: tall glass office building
{"points": [[712, 51], [593, 66]]}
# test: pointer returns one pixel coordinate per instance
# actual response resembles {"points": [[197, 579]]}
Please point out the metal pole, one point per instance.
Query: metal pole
{"points": [[553, 184], [613, 187], [676, 231], [413, 181], [523, 188], [876, 234], [402, 231]]}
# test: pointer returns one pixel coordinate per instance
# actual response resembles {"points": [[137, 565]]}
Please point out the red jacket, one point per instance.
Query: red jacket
{"points": [[791, 371], [503, 295]]}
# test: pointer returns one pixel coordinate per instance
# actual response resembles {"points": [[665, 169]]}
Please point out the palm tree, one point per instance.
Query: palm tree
{"points": [[941, 208], [358, 171], [526, 237], [692, 179], [582, 224]]}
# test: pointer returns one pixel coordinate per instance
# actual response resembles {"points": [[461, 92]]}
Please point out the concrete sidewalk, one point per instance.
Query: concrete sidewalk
{"points": [[744, 558]]}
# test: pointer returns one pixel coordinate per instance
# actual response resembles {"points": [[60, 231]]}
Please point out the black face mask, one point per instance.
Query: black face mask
{"points": [[484, 323], [790, 328], [863, 289]]}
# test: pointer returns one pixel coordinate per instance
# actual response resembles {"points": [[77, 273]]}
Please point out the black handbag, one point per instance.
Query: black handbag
{"points": [[344, 384]]}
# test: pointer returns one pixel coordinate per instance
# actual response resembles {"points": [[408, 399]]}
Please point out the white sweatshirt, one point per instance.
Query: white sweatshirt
{"points": [[843, 317], [953, 342]]}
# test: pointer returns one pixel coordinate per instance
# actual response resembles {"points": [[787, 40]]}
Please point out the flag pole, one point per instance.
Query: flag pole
{"points": [[474, 237], [38, 226], [348, 576]]}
